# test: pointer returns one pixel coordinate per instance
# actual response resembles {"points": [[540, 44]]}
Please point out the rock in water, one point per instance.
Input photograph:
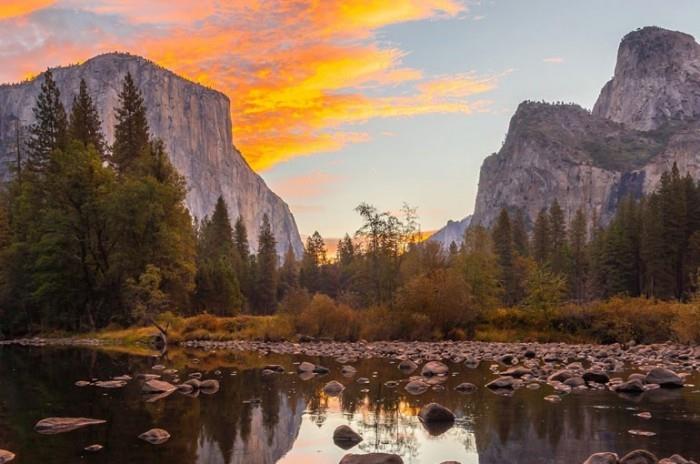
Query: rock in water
{"points": [[157, 386], [664, 377], [433, 413], [54, 425], [94, 448], [306, 367], [416, 387], [602, 458], [639, 457], [333, 388], [434, 368], [6, 456], [345, 437], [592, 161], [155, 436], [371, 458], [194, 123], [209, 386]]}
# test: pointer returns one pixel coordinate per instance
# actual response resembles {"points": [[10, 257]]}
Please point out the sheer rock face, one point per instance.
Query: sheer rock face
{"points": [[657, 79], [646, 118], [193, 121]]}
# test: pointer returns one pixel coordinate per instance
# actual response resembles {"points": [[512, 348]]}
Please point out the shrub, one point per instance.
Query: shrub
{"points": [[435, 304], [323, 317]]}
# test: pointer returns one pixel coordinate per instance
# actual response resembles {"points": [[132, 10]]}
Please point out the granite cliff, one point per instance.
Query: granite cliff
{"points": [[646, 118], [193, 121], [453, 231]]}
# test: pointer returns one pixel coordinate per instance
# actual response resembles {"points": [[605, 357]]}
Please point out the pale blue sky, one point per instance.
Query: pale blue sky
{"points": [[433, 161]]}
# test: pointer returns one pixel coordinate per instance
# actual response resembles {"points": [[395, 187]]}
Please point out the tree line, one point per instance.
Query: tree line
{"points": [[93, 235]]}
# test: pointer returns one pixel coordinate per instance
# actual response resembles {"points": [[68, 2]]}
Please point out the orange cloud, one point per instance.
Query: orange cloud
{"points": [[299, 74], [19, 8]]}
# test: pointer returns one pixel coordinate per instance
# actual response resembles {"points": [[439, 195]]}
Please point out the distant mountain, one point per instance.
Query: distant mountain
{"points": [[452, 232], [646, 118], [192, 120]]}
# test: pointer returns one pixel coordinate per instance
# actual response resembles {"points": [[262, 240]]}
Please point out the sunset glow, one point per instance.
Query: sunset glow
{"points": [[302, 77]]}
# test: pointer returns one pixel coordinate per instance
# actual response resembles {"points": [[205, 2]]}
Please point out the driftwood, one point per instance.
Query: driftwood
{"points": [[160, 340]]}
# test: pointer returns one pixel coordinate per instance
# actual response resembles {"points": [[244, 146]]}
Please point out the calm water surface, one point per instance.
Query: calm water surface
{"points": [[292, 421]]}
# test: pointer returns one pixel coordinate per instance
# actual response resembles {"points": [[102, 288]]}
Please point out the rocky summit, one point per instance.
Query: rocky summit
{"points": [[193, 121], [646, 118]]}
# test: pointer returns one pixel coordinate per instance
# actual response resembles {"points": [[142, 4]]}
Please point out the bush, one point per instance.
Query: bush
{"points": [[323, 317], [436, 304]]}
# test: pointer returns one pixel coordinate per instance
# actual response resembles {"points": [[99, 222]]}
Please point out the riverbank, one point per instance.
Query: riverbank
{"points": [[619, 320]]}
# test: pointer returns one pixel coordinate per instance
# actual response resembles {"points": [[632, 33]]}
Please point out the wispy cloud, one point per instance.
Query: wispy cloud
{"points": [[301, 75], [309, 185], [553, 60]]}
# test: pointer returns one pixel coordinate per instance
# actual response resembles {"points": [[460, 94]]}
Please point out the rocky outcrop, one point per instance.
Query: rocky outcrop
{"points": [[646, 118], [656, 81], [453, 231], [193, 121]]}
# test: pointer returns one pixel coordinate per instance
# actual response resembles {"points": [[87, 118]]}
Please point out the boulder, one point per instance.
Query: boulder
{"points": [[664, 377], [638, 457], [408, 366], [434, 368], [54, 425], [596, 376], [416, 387], [517, 372], [602, 458], [155, 436], [502, 383], [345, 437], [433, 412], [560, 375], [465, 387], [675, 459], [157, 386], [631, 386], [306, 367], [371, 458], [209, 386], [333, 388], [6, 456]]}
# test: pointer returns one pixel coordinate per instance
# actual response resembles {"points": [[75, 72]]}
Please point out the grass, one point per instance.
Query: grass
{"points": [[615, 320]]}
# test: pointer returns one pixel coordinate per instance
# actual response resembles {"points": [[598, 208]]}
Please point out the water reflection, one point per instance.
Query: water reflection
{"points": [[260, 419]]}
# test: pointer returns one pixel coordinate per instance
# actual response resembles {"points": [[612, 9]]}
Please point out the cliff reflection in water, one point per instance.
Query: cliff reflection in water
{"points": [[281, 418]]}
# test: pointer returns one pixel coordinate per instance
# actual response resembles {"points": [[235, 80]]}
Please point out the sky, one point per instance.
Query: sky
{"points": [[336, 102]]}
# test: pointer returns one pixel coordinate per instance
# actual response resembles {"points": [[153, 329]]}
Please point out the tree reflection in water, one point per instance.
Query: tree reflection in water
{"points": [[256, 419]]}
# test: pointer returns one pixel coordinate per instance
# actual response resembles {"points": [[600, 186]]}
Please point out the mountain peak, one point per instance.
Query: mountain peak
{"points": [[656, 80], [193, 121]]}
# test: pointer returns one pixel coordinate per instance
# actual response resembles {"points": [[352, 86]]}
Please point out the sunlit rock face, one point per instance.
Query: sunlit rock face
{"points": [[646, 118], [193, 121]]}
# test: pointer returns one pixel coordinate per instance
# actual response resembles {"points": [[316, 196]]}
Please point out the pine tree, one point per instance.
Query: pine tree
{"points": [[217, 286], [244, 269], [84, 122], [288, 274], [541, 238], [346, 251], [503, 246], [578, 270], [519, 233], [314, 258], [131, 133], [50, 130], [558, 240], [266, 270]]}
